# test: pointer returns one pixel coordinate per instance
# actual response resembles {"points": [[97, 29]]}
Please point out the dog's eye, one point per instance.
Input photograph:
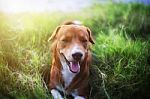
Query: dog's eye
{"points": [[64, 40], [84, 40]]}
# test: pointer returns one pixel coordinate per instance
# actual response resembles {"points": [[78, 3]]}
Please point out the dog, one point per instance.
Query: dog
{"points": [[70, 60]]}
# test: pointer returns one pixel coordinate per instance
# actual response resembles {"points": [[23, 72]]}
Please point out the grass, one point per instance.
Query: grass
{"points": [[121, 52]]}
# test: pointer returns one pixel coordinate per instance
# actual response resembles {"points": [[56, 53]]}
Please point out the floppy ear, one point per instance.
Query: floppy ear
{"points": [[52, 37], [90, 36]]}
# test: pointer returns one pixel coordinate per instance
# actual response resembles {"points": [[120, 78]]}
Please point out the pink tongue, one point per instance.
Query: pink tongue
{"points": [[74, 67]]}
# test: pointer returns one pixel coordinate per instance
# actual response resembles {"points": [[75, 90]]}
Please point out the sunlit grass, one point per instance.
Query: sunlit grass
{"points": [[121, 51]]}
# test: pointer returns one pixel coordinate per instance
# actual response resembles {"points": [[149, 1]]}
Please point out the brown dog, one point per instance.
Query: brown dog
{"points": [[70, 61]]}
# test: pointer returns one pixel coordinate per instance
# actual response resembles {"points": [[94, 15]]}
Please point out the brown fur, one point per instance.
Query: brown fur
{"points": [[80, 81]]}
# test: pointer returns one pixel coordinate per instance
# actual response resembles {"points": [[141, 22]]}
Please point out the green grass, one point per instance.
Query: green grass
{"points": [[121, 33]]}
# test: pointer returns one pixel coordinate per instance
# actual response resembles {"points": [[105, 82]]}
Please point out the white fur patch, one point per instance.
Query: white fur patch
{"points": [[79, 97], [56, 94], [67, 74]]}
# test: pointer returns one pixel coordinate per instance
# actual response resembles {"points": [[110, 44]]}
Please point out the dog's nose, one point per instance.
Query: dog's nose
{"points": [[77, 56]]}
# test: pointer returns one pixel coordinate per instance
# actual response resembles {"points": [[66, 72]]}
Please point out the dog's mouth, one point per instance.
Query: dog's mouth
{"points": [[74, 66]]}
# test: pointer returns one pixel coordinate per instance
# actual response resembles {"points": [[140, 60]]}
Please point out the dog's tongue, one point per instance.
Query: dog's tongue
{"points": [[74, 67]]}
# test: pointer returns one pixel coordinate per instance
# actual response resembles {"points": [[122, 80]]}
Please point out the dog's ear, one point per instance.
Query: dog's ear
{"points": [[90, 36], [53, 36]]}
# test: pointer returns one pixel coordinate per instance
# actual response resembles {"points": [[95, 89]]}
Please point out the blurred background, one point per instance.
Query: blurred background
{"points": [[121, 29], [17, 6]]}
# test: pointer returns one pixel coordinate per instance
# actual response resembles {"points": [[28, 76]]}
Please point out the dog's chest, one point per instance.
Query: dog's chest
{"points": [[68, 77]]}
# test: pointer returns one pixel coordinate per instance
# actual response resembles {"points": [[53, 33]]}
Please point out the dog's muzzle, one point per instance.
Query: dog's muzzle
{"points": [[74, 65]]}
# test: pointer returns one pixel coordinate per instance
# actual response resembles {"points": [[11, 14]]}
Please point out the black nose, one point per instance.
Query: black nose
{"points": [[77, 56]]}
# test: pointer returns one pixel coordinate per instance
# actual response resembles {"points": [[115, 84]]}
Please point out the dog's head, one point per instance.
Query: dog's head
{"points": [[72, 44]]}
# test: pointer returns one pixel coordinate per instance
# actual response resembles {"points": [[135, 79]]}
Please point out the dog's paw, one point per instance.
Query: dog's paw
{"points": [[79, 97], [56, 94]]}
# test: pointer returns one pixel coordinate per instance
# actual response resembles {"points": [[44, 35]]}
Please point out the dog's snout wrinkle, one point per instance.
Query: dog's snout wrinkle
{"points": [[77, 56]]}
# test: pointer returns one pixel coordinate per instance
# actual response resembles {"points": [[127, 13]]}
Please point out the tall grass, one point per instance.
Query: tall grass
{"points": [[121, 32]]}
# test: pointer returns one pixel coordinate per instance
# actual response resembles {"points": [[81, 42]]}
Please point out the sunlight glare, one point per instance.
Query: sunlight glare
{"points": [[15, 6], [23, 5]]}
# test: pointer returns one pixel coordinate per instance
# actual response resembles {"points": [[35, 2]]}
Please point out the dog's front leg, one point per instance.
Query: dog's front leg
{"points": [[76, 96], [79, 97], [56, 94]]}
